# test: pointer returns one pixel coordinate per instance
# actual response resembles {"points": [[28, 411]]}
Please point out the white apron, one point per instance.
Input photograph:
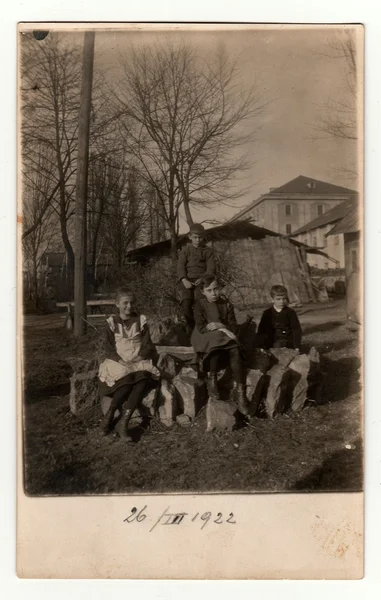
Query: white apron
{"points": [[128, 341]]}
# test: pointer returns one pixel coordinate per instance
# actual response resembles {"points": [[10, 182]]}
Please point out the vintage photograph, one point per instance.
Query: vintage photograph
{"points": [[191, 200]]}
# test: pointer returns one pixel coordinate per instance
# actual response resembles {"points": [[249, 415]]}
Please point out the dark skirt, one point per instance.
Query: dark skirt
{"points": [[205, 344], [130, 379]]}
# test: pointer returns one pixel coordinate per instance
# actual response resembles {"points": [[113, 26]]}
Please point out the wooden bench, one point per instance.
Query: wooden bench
{"points": [[93, 305]]}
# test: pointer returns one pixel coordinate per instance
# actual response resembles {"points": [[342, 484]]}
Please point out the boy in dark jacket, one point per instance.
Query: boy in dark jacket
{"points": [[195, 261], [279, 326]]}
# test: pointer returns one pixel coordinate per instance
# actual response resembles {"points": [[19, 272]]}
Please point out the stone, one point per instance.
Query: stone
{"points": [[83, 392], [255, 384], [82, 365], [258, 359], [182, 353], [220, 416], [149, 401], [278, 391], [183, 421], [167, 365], [314, 377], [167, 403], [300, 367], [284, 356], [192, 394]]}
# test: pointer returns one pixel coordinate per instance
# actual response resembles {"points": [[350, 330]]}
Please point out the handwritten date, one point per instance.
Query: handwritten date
{"points": [[169, 517]]}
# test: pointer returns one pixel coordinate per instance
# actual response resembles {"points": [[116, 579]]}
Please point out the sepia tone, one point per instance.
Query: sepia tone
{"points": [[128, 138]]}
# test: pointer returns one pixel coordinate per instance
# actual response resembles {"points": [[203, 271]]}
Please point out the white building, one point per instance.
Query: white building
{"points": [[287, 208], [316, 232]]}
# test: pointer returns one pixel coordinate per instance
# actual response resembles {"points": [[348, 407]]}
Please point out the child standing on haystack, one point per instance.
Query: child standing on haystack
{"points": [[195, 261], [129, 368], [279, 326], [214, 339]]}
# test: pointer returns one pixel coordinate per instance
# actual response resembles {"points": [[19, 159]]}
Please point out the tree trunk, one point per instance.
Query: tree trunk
{"points": [[173, 246]]}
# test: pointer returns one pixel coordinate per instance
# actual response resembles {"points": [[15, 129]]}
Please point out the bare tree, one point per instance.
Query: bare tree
{"points": [[51, 74], [51, 77], [183, 118], [124, 217], [338, 118], [42, 223]]}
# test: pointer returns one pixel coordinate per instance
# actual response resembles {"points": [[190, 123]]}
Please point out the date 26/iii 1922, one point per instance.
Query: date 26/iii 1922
{"points": [[168, 517]]}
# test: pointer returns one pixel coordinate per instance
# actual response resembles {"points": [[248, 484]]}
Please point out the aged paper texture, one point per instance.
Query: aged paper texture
{"points": [[127, 140]]}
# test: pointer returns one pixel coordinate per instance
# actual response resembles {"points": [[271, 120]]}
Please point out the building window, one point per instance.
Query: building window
{"points": [[336, 240], [288, 228], [354, 260], [320, 210], [314, 241], [288, 210]]}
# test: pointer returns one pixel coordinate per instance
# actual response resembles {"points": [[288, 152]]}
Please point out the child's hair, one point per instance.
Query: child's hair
{"points": [[207, 280], [278, 290], [197, 228], [124, 291]]}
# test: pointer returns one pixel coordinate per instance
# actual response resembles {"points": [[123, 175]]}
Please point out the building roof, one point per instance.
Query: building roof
{"points": [[300, 185], [228, 231], [332, 216], [306, 185], [348, 224]]}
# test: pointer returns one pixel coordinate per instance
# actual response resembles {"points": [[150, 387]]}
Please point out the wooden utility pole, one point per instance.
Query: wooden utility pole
{"points": [[80, 245]]}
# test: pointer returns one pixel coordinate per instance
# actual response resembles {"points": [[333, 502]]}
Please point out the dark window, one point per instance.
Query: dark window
{"points": [[314, 241], [288, 228], [355, 265], [320, 210], [288, 210]]}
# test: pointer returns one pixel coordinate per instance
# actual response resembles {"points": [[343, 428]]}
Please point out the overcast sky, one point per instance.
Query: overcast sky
{"points": [[293, 68]]}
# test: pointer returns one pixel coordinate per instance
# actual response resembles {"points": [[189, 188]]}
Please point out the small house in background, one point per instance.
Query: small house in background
{"points": [[315, 233], [287, 208], [250, 259], [350, 228]]}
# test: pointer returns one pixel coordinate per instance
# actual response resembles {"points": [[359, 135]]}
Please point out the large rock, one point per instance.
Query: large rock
{"points": [[167, 365], [192, 394], [258, 359], [220, 416], [84, 392], [167, 403], [314, 377], [150, 400], [278, 391], [82, 365], [300, 367], [284, 356], [255, 383]]}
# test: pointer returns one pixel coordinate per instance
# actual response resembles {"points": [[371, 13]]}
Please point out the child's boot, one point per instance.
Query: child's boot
{"points": [[122, 428], [106, 423], [212, 386], [242, 401]]}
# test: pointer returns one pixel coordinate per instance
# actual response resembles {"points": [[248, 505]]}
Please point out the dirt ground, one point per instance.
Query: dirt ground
{"points": [[318, 449]]}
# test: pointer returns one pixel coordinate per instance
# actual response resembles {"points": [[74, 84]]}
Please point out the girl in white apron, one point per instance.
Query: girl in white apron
{"points": [[129, 368]]}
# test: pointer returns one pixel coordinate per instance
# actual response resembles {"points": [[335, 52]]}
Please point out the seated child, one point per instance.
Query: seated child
{"points": [[195, 261], [214, 339], [128, 370], [279, 326]]}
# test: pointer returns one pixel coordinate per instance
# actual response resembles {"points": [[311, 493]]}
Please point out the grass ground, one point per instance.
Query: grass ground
{"points": [[318, 449]]}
